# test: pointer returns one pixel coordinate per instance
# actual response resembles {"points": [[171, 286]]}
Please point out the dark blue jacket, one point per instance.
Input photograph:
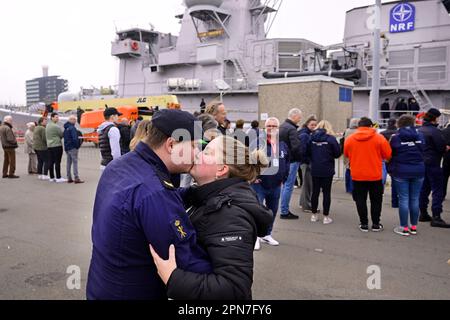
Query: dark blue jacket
{"points": [[407, 154], [289, 135], [323, 151], [275, 175], [305, 139], [136, 205], [71, 140], [435, 145]]}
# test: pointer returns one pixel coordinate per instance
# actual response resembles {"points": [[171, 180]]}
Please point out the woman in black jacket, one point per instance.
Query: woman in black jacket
{"points": [[323, 150], [228, 219]]}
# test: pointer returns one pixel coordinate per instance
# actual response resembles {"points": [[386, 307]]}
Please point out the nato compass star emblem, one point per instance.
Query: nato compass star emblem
{"points": [[403, 12]]}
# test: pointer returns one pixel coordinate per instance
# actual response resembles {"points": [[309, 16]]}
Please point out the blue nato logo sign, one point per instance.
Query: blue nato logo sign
{"points": [[403, 18]]}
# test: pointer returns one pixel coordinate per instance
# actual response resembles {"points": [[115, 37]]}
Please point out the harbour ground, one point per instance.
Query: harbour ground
{"points": [[45, 229]]}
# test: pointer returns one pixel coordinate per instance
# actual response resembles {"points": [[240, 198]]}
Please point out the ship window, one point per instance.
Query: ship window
{"points": [[433, 55], [397, 58], [289, 64], [290, 47], [345, 94], [400, 77], [435, 73]]}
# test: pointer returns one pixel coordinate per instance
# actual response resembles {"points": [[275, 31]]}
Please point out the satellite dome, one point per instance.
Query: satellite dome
{"points": [[68, 97], [192, 3]]}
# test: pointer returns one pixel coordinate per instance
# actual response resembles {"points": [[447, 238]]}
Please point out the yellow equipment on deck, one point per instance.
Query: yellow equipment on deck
{"points": [[142, 103]]}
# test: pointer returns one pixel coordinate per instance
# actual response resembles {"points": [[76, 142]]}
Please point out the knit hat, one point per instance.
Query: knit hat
{"points": [[434, 112]]}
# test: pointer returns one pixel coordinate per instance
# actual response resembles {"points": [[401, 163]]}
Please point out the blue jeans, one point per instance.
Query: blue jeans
{"points": [[270, 198], [288, 188], [348, 181], [434, 182], [408, 199], [384, 173]]}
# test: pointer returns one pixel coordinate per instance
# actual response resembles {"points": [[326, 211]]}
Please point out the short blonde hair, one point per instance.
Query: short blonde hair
{"points": [[241, 162], [326, 125], [213, 107], [140, 135]]}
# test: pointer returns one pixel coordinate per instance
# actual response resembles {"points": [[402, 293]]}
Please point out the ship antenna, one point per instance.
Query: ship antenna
{"points": [[277, 6]]}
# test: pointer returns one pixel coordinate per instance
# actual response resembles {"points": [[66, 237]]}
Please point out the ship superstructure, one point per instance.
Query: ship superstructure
{"points": [[222, 51]]}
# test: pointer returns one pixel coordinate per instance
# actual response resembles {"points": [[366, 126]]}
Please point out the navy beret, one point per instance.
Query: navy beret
{"points": [[168, 121]]}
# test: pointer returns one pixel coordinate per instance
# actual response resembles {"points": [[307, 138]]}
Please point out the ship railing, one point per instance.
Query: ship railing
{"points": [[408, 78]]}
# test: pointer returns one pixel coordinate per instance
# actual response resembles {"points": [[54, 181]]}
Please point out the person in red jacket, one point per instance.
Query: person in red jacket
{"points": [[366, 150]]}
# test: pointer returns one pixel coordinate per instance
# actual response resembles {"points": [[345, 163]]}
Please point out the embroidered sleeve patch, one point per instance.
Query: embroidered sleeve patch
{"points": [[180, 229]]}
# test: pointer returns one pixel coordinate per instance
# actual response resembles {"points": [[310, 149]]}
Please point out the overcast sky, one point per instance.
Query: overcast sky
{"points": [[73, 36]]}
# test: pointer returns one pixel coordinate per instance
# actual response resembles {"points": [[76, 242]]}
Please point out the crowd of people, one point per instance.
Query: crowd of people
{"points": [[46, 141], [400, 107], [44, 144], [232, 184]]}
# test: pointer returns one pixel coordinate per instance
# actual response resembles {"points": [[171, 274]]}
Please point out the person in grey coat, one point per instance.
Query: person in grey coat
{"points": [[32, 156]]}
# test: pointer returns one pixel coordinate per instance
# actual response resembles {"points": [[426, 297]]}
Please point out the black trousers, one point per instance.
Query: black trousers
{"points": [[54, 163], [375, 191], [42, 167], [324, 185], [446, 169]]}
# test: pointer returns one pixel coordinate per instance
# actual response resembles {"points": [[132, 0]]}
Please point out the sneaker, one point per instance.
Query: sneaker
{"points": [[61, 180], [45, 178], [413, 230], [257, 245], [364, 228], [314, 218], [377, 227], [51, 180], [310, 211], [327, 220], [39, 177], [270, 241], [289, 216], [402, 231], [70, 181], [439, 223], [78, 181]]}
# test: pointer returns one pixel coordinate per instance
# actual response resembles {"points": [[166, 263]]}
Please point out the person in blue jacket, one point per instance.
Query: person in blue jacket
{"points": [[268, 185], [324, 149], [305, 163], [72, 144], [407, 169], [435, 148], [136, 205]]}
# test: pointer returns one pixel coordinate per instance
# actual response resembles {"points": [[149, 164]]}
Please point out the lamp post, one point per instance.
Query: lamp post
{"points": [[375, 93]]}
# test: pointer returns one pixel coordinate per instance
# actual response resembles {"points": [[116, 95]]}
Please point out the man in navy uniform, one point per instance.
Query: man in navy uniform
{"points": [[137, 205]]}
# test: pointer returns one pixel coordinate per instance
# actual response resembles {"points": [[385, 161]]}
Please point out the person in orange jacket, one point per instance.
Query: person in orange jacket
{"points": [[366, 150]]}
